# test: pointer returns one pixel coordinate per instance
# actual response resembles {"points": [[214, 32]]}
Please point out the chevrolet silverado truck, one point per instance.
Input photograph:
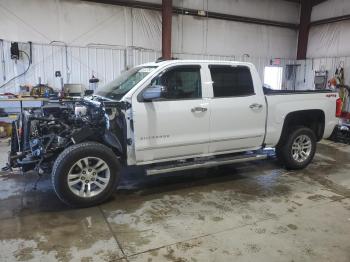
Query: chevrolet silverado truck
{"points": [[168, 116]]}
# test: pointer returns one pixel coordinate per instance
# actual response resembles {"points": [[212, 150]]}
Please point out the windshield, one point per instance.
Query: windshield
{"points": [[124, 83]]}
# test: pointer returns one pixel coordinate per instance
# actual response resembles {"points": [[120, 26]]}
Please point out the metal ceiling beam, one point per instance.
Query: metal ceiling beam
{"points": [[294, 1], [331, 20], [304, 26], [193, 12], [317, 2], [134, 4]]}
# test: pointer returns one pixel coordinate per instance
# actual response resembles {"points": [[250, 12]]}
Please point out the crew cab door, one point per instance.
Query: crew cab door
{"points": [[176, 125], [238, 109]]}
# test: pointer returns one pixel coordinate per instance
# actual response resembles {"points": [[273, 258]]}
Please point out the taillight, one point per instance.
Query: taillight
{"points": [[339, 107]]}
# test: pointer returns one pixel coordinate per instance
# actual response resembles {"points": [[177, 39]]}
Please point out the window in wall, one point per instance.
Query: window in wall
{"points": [[273, 77], [182, 82], [229, 81]]}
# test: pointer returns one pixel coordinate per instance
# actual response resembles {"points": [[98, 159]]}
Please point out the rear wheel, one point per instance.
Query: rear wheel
{"points": [[297, 149], [85, 174]]}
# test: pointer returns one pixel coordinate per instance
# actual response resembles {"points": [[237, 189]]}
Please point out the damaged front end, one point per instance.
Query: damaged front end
{"points": [[40, 135]]}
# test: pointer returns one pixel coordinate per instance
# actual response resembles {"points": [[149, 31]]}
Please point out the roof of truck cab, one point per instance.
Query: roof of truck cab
{"points": [[178, 61]]}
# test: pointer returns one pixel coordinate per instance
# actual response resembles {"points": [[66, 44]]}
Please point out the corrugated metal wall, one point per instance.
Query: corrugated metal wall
{"points": [[307, 68], [78, 64]]}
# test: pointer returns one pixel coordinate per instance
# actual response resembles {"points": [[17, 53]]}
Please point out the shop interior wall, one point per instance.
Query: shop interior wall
{"points": [[82, 39]]}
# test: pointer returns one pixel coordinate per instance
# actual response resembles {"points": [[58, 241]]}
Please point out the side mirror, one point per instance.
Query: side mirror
{"points": [[153, 92]]}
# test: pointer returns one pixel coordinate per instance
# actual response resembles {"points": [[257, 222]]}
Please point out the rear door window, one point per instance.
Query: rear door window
{"points": [[231, 81]]}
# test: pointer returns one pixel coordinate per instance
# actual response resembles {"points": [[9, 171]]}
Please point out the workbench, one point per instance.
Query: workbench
{"points": [[14, 106]]}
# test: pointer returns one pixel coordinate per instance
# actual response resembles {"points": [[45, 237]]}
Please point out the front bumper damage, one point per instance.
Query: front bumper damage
{"points": [[39, 136]]}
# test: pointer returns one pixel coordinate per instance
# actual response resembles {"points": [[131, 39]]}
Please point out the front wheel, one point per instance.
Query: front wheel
{"points": [[297, 149], [85, 174]]}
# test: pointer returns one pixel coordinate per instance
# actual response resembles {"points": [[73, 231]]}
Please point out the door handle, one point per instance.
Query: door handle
{"points": [[199, 109], [256, 106]]}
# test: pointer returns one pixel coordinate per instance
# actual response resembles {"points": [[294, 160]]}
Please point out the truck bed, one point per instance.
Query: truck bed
{"points": [[280, 103]]}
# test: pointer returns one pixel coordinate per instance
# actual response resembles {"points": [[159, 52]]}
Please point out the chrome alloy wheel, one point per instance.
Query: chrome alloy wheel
{"points": [[88, 177], [301, 148]]}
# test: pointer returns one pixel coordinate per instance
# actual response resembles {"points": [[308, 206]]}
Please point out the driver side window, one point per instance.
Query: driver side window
{"points": [[181, 82]]}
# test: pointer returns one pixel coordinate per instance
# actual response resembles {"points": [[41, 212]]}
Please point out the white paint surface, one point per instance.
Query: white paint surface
{"points": [[170, 130]]}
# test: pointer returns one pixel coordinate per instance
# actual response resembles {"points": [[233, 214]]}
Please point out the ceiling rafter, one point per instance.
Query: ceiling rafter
{"points": [[193, 12], [315, 2]]}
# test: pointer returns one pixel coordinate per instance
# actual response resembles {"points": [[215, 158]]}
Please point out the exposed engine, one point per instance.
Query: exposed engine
{"points": [[40, 135]]}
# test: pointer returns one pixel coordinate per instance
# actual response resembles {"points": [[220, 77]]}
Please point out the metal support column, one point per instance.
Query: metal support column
{"points": [[167, 7], [304, 28]]}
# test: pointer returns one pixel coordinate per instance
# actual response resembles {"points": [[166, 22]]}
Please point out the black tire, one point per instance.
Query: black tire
{"points": [[284, 148], [66, 161]]}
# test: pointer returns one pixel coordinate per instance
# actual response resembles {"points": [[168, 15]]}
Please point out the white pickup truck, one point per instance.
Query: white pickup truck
{"points": [[168, 116]]}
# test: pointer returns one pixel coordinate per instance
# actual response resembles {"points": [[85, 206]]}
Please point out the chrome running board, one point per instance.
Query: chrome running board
{"points": [[203, 164]]}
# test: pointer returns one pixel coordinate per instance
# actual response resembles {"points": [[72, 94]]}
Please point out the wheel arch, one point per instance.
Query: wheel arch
{"points": [[312, 118], [109, 139]]}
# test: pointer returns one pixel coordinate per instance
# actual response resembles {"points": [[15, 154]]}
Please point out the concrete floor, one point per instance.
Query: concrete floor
{"points": [[248, 212]]}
